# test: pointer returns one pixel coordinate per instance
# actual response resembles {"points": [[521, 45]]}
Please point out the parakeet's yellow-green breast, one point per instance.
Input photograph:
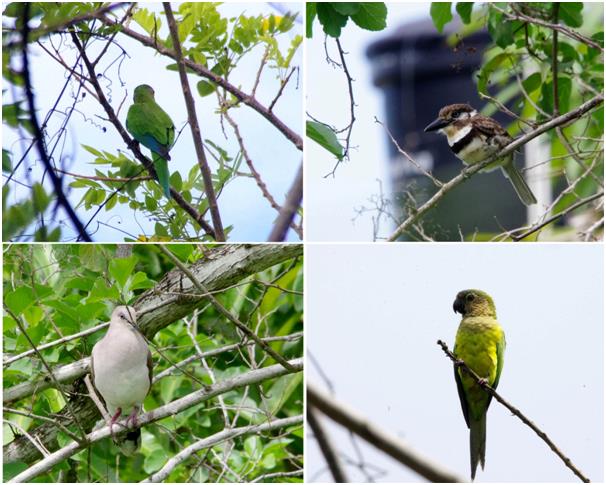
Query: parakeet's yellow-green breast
{"points": [[152, 127], [480, 343]]}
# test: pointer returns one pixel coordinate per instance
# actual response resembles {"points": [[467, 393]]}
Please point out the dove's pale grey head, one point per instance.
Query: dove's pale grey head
{"points": [[125, 314]]}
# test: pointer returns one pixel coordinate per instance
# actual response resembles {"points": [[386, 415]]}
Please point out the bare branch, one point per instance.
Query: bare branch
{"points": [[326, 446], [467, 172], [289, 210], [391, 445], [208, 74], [40, 144], [219, 437], [176, 406], [482, 383], [195, 127]]}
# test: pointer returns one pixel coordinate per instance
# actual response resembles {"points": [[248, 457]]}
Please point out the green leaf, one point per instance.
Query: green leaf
{"points": [[440, 14], [371, 16], [532, 82], [310, 15], [500, 29], [121, 268], [564, 91], [325, 137], [346, 8], [487, 69], [205, 88], [571, 13], [464, 10], [331, 20], [92, 150], [19, 299], [7, 164]]}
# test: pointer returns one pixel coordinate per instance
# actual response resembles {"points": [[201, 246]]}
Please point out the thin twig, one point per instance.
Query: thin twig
{"points": [[281, 90], [195, 127], [203, 71], [470, 170], [289, 210], [391, 445], [482, 383], [224, 311], [560, 28], [564, 212], [428, 174], [326, 446], [132, 144], [40, 145]]}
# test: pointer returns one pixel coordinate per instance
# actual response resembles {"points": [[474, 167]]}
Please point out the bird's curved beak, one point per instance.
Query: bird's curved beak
{"points": [[458, 306], [436, 125]]}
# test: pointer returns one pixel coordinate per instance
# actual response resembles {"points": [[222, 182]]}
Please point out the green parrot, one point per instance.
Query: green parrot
{"points": [[152, 127], [480, 343]]}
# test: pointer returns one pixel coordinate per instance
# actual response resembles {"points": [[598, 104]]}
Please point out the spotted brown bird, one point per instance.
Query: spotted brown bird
{"points": [[473, 138]]}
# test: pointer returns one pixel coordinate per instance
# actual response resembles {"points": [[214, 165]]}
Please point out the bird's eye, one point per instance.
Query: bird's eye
{"points": [[470, 297], [122, 316]]}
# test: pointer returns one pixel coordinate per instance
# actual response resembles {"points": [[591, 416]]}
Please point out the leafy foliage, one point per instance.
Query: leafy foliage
{"points": [[334, 16], [59, 290]]}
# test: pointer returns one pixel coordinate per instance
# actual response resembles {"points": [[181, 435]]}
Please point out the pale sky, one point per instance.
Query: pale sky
{"points": [[375, 312], [331, 201], [241, 203]]}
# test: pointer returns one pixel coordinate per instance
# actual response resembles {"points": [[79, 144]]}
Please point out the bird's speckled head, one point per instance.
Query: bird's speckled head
{"points": [[451, 113], [474, 303], [125, 314], [143, 93]]}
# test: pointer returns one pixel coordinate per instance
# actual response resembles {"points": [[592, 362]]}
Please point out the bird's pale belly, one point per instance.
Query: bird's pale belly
{"points": [[123, 389]]}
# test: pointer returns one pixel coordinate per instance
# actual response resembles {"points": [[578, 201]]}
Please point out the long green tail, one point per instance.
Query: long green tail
{"points": [[477, 444], [519, 184], [161, 166]]}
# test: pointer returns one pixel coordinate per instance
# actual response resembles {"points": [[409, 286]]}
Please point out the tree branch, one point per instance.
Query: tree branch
{"points": [[556, 27], [38, 136], [207, 73], [482, 383], [289, 210], [224, 311], [470, 170], [389, 444], [326, 446], [195, 127], [252, 377], [132, 144], [566, 211], [225, 435]]}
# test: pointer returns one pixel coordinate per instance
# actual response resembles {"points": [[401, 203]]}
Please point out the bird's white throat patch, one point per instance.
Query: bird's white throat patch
{"points": [[455, 133]]}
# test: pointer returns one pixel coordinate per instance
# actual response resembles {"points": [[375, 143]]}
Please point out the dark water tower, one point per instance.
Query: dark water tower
{"points": [[419, 73]]}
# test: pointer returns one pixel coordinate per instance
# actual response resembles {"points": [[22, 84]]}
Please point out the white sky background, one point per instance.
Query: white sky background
{"points": [[331, 202], [241, 204], [376, 312]]}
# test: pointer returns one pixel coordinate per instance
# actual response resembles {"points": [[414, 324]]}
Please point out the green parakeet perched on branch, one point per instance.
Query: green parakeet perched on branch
{"points": [[152, 127], [480, 343]]}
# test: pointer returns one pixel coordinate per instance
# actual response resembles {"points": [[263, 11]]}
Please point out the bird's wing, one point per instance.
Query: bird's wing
{"points": [[461, 390], [489, 127], [150, 368], [151, 126]]}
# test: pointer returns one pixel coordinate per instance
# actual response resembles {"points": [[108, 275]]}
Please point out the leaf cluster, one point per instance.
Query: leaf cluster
{"points": [[333, 16]]}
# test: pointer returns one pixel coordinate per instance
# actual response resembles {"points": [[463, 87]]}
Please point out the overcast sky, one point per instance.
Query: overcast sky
{"points": [[241, 204], [375, 312]]}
